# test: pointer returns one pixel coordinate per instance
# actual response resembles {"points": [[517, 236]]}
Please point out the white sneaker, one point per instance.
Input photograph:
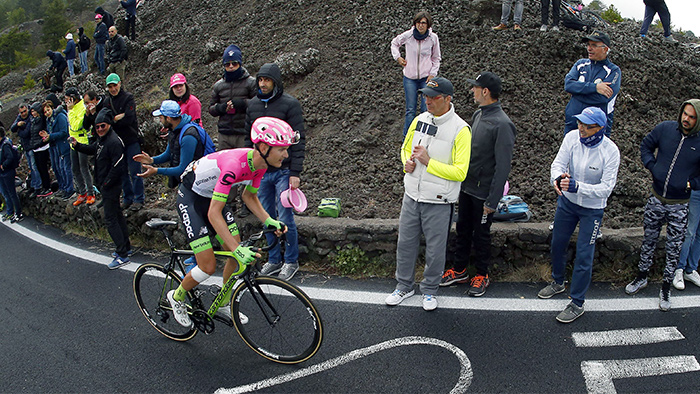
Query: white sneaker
{"points": [[543, 28], [692, 277], [179, 310], [270, 268], [555, 28], [429, 302], [678, 279], [398, 296]]}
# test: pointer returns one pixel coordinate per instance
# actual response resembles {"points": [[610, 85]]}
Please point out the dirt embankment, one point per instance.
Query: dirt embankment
{"points": [[336, 59]]}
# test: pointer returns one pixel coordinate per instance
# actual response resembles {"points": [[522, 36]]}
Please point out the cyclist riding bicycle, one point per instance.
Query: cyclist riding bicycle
{"points": [[201, 203]]}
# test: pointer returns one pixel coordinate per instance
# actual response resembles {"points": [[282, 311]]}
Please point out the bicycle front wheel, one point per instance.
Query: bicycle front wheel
{"points": [[151, 285], [283, 325]]}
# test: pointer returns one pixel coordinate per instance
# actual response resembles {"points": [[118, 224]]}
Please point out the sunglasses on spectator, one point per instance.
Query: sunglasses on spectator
{"points": [[229, 64], [101, 126]]}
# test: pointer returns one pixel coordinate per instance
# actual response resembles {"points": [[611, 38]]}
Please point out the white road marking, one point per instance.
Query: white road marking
{"points": [[632, 336], [599, 374], [533, 304], [465, 375]]}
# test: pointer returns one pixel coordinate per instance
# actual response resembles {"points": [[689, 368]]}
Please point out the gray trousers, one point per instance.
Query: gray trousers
{"points": [[82, 180], [505, 11], [655, 215], [433, 221]]}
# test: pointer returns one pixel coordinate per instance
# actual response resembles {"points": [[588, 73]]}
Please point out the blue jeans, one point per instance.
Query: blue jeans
{"points": [[690, 251], [566, 218], [83, 61], [33, 170], [651, 9], [100, 57], [272, 184], [62, 169], [410, 87], [71, 67], [9, 193], [505, 12], [133, 184]]}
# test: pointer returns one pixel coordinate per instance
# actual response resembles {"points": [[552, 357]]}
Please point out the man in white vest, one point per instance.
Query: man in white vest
{"points": [[435, 156]]}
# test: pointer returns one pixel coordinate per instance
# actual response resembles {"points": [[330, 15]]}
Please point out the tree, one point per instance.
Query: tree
{"points": [[13, 48], [17, 16], [611, 15], [596, 5], [55, 25]]}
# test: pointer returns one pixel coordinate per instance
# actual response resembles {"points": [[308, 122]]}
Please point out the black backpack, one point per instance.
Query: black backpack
{"points": [[16, 155], [578, 24]]}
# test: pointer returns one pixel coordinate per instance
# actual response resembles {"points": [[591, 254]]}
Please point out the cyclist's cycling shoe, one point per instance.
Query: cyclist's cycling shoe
{"points": [[226, 311], [179, 310]]}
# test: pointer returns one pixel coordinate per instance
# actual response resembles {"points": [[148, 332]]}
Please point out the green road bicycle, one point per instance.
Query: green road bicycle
{"points": [[282, 323]]}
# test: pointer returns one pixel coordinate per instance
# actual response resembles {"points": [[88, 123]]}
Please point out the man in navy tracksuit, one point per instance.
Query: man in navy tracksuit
{"points": [[592, 82], [671, 152]]}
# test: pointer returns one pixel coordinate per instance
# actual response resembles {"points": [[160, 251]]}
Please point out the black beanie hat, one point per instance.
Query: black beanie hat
{"points": [[37, 107], [104, 116]]}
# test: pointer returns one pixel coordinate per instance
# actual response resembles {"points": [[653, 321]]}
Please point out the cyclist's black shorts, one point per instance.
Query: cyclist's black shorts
{"points": [[193, 210]]}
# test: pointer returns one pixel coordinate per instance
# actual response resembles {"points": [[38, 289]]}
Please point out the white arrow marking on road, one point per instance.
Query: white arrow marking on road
{"points": [[633, 336], [465, 375], [599, 374]]}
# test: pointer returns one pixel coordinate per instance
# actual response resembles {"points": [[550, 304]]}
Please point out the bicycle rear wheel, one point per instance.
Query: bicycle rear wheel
{"points": [[151, 285], [283, 325]]}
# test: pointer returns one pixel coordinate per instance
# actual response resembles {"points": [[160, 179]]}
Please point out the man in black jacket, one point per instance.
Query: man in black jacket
{"points": [[116, 53], [229, 100], [58, 63], [493, 138], [110, 170], [83, 47], [23, 127], [122, 104], [107, 18], [272, 101]]}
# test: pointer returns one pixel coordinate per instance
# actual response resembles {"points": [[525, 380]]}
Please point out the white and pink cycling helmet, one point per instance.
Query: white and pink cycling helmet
{"points": [[273, 131]]}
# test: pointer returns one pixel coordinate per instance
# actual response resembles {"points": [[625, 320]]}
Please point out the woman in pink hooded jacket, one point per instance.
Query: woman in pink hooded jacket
{"points": [[421, 63]]}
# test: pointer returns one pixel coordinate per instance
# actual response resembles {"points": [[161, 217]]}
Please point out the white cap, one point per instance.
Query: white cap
{"points": [[69, 36]]}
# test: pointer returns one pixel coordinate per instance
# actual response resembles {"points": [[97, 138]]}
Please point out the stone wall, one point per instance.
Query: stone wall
{"points": [[514, 245]]}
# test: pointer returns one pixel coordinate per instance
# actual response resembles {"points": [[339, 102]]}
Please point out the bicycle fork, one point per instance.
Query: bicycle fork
{"points": [[261, 299]]}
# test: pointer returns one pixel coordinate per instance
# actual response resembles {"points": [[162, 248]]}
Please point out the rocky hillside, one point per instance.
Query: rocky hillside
{"points": [[336, 60]]}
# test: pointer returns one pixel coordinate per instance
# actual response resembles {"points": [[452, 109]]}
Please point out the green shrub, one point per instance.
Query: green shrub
{"points": [[29, 83], [353, 261], [611, 15]]}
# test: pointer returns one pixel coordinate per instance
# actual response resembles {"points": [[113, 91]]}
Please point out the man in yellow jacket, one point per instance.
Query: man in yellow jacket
{"points": [[82, 180]]}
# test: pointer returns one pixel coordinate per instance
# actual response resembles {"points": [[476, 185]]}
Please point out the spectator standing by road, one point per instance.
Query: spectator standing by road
{"points": [[93, 104], [83, 47], [70, 52], [272, 101], [651, 8], [188, 102], [101, 36], [593, 82], [493, 138], [125, 124], [8, 170], [57, 135], [110, 169], [23, 127], [130, 21], [58, 63], [545, 14], [505, 14], [435, 156], [40, 149], [420, 64], [670, 153], [687, 268], [80, 163], [116, 53], [229, 101], [583, 174]]}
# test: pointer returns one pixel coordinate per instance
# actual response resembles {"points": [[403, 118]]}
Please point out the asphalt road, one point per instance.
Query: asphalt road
{"points": [[71, 325]]}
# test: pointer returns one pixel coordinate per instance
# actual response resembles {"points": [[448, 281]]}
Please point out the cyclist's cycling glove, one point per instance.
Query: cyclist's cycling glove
{"points": [[270, 222], [245, 254]]}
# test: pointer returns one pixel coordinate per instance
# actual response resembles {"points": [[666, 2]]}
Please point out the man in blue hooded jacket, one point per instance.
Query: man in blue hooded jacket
{"points": [[670, 153], [592, 82], [58, 63]]}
